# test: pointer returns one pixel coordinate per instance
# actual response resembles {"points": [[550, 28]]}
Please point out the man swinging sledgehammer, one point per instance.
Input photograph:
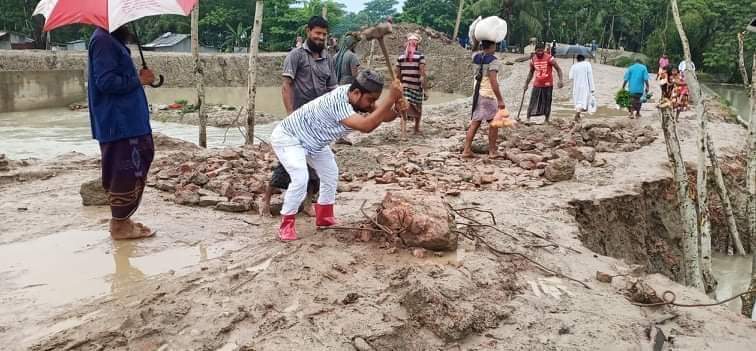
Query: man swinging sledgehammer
{"points": [[305, 136]]}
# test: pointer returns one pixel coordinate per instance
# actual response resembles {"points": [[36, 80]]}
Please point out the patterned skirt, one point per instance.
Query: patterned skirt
{"points": [[485, 110], [414, 96], [125, 165]]}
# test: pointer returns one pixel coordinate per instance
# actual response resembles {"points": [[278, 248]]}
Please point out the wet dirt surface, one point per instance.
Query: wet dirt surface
{"points": [[331, 291]]}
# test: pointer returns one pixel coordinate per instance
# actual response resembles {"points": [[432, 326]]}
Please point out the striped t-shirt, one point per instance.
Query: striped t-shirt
{"points": [[318, 123], [410, 70]]}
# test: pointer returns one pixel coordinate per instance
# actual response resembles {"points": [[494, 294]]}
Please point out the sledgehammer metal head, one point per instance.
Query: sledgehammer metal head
{"points": [[377, 32]]}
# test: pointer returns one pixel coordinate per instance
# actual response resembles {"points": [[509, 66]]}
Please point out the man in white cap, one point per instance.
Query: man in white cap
{"points": [[305, 136]]}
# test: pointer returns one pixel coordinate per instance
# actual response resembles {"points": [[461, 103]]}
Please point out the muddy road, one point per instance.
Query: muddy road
{"points": [[213, 280]]}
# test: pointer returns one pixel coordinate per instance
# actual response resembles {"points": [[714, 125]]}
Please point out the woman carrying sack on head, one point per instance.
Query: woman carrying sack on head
{"points": [[489, 100]]}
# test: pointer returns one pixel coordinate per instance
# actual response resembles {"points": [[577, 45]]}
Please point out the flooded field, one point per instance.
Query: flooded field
{"points": [[737, 97], [47, 133]]}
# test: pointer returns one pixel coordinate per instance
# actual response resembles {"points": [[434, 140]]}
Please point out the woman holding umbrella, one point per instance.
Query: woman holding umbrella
{"points": [[118, 111]]}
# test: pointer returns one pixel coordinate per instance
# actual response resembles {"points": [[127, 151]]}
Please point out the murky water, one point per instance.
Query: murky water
{"points": [[52, 271], [268, 99], [733, 274], [64, 267], [736, 95], [45, 134]]}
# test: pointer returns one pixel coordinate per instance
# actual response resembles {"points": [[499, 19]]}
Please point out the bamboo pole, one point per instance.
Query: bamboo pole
{"points": [[252, 72], [199, 78], [691, 242], [741, 59], [748, 301], [691, 262], [459, 19], [724, 197]]}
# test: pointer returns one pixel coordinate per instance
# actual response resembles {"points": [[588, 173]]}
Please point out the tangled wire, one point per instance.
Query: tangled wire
{"points": [[669, 298]]}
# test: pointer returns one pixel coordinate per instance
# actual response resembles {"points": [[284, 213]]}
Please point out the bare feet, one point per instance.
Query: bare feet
{"points": [[129, 230], [264, 210], [309, 210], [494, 155], [468, 154]]}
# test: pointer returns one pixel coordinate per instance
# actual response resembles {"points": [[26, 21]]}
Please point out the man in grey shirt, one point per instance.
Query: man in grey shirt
{"points": [[347, 62], [309, 71]]}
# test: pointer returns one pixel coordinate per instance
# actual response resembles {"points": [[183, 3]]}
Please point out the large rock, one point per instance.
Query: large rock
{"points": [[93, 194], [582, 153], [524, 156], [163, 142], [599, 133], [422, 219], [560, 169], [187, 197], [206, 201], [229, 206]]}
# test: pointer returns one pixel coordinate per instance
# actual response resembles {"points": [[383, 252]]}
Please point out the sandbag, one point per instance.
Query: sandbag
{"points": [[471, 30], [490, 28]]}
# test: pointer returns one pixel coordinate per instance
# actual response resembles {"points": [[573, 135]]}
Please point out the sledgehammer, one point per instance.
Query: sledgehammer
{"points": [[377, 32]]}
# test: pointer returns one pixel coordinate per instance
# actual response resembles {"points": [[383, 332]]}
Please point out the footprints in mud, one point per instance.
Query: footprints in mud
{"points": [[549, 287]]}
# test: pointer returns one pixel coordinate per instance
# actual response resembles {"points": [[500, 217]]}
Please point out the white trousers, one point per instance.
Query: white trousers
{"points": [[295, 158]]}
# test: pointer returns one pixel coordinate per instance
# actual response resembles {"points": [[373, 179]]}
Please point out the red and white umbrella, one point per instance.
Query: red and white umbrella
{"points": [[107, 14]]}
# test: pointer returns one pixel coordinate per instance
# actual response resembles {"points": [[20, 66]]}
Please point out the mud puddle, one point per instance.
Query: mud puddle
{"points": [[70, 266]]}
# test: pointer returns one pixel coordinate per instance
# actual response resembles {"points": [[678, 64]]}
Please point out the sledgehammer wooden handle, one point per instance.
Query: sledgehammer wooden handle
{"points": [[386, 57], [403, 135]]}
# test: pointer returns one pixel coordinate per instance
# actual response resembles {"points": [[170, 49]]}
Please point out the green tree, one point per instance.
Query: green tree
{"points": [[237, 37], [350, 23], [437, 14], [378, 10]]}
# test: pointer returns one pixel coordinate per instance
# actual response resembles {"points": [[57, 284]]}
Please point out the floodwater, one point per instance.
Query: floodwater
{"points": [[736, 95], [93, 265], [268, 99], [733, 275], [45, 134]]}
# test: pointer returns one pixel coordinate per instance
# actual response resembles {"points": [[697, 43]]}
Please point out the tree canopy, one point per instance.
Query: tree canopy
{"points": [[639, 25]]}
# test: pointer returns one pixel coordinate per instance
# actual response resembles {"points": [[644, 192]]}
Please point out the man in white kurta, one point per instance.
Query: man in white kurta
{"points": [[581, 75]]}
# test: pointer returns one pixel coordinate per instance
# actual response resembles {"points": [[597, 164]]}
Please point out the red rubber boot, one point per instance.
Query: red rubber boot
{"points": [[324, 215], [287, 231]]}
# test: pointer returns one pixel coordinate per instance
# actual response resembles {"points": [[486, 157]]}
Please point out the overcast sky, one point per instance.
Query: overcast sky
{"points": [[356, 5]]}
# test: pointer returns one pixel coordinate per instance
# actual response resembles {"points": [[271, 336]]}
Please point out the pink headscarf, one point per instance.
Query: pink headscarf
{"points": [[411, 46], [663, 62]]}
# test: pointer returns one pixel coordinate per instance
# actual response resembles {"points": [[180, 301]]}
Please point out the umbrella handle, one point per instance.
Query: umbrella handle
{"points": [[161, 79], [159, 83]]}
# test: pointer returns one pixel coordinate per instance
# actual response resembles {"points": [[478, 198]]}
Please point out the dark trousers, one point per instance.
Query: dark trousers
{"points": [[125, 165]]}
